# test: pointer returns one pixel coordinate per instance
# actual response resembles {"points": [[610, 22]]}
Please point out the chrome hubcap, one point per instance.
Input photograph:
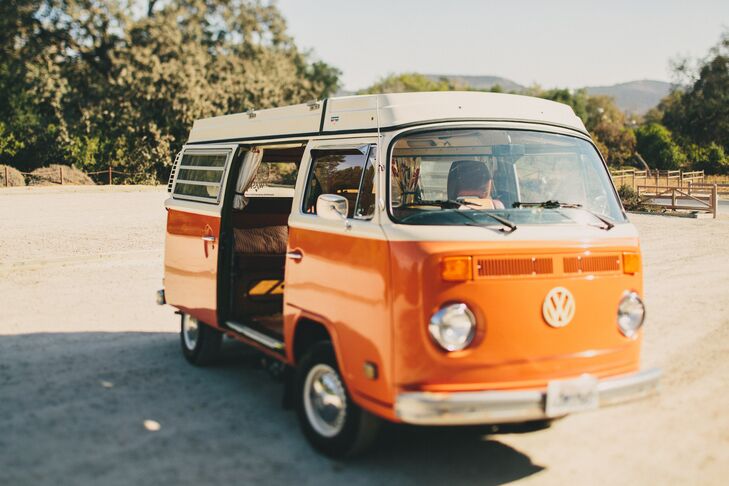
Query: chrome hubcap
{"points": [[325, 400], [190, 331]]}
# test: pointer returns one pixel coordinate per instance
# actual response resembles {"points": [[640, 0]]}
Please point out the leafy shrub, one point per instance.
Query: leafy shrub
{"points": [[630, 198]]}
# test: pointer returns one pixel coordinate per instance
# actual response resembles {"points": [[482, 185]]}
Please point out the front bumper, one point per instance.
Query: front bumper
{"points": [[495, 407]]}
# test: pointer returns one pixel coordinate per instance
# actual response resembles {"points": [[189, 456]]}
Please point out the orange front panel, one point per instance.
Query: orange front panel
{"points": [[342, 279], [191, 264], [514, 346]]}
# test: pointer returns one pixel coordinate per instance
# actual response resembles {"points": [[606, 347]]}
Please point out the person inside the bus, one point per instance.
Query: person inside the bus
{"points": [[470, 182]]}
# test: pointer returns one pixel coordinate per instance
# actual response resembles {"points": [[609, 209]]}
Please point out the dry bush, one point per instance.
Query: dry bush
{"points": [[46, 176], [717, 179], [15, 178]]}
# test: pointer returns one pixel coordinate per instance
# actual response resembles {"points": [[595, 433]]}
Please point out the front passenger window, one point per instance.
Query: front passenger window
{"points": [[337, 172]]}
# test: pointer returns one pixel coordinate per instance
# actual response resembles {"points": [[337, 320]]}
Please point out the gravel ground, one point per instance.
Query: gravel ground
{"points": [[86, 357]]}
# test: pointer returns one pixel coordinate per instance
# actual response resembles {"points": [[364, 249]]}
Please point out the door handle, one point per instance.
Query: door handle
{"points": [[295, 255], [210, 239]]}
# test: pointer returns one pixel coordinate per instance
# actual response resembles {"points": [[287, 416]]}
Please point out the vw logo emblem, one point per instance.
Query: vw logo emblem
{"points": [[559, 307]]}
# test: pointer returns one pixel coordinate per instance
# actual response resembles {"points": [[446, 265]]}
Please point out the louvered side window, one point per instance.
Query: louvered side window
{"points": [[172, 171], [199, 176]]}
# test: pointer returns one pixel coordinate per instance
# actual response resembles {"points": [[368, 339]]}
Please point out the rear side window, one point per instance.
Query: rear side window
{"points": [[341, 172], [200, 176], [277, 172]]}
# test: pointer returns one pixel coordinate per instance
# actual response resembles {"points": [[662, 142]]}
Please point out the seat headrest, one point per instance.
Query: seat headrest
{"points": [[467, 178]]}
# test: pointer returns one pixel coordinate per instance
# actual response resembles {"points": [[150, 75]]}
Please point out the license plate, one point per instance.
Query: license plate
{"points": [[569, 396]]}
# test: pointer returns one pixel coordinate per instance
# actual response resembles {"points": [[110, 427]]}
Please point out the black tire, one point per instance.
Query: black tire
{"points": [[359, 428], [205, 348]]}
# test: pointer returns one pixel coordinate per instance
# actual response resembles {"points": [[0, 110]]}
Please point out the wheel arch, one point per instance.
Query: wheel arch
{"points": [[300, 334], [308, 329], [308, 332]]}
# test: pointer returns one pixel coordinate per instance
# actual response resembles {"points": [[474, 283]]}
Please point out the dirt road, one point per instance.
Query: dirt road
{"points": [[86, 357]]}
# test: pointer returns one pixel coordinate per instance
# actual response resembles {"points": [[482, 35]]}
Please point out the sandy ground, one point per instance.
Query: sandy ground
{"points": [[86, 357]]}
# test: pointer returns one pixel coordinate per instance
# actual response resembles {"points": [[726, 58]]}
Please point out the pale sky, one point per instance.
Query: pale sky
{"points": [[555, 43]]}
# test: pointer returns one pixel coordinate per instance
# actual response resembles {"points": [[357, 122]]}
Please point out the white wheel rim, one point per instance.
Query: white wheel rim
{"points": [[325, 400], [190, 331]]}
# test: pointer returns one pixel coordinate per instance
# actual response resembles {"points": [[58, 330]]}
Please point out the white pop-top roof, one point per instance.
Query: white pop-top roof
{"points": [[362, 113]]}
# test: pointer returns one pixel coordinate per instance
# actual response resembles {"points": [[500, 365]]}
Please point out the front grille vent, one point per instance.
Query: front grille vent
{"points": [[592, 264], [497, 267]]}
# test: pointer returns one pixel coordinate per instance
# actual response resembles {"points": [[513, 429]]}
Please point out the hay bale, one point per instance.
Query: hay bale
{"points": [[15, 178], [51, 175]]}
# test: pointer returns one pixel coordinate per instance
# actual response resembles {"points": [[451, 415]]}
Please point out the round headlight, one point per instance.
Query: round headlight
{"points": [[631, 313], [453, 327]]}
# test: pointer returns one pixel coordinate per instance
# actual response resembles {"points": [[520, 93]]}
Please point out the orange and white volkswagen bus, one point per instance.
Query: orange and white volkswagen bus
{"points": [[427, 258]]}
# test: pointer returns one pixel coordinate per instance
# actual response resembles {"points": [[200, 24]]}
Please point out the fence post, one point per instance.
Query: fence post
{"points": [[680, 177], [7, 182], [689, 188], [673, 198], [714, 199], [110, 175], [60, 171], [656, 179]]}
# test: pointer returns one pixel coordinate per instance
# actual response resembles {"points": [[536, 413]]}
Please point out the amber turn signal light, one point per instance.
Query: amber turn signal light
{"points": [[456, 269], [631, 263]]}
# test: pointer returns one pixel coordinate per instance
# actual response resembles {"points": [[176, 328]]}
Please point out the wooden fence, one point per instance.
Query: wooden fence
{"points": [[722, 189], [700, 198], [664, 178], [106, 175]]}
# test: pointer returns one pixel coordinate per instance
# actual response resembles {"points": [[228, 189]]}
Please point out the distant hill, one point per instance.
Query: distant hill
{"points": [[479, 82], [634, 96]]}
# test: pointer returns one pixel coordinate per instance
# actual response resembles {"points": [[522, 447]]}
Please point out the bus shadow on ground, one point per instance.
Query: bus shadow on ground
{"points": [[76, 408]]}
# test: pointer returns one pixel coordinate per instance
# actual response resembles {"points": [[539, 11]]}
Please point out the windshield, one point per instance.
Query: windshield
{"points": [[521, 176]]}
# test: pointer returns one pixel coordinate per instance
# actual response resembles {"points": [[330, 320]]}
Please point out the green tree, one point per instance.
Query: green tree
{"points": [[668, 103], [410, 82], [609, 126], [602, 118], [577, 99], [93, 83], [31, 81], [9, 145], [711, 159], [656, 145], [699, 114]]}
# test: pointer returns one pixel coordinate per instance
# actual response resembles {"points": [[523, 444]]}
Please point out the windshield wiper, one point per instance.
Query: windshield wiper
{"points": [[452, 204], [553, 204], [504, 221], [445, 203]]}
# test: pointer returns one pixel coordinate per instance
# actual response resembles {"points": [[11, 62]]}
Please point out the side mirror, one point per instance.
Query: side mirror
{"points": [[331, 206]]}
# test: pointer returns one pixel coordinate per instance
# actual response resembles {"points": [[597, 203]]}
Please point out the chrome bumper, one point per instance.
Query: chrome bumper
{"points": [[495, 407]]}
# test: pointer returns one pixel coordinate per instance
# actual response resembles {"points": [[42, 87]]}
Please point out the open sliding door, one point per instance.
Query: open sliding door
{"points": [[193, 229]]}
